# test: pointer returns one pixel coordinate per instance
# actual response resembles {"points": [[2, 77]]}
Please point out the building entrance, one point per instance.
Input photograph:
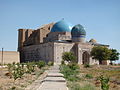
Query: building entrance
{"points": [[85, 57]]}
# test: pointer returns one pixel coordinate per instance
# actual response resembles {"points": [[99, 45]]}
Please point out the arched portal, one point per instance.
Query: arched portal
{"points": [[85, 57]]}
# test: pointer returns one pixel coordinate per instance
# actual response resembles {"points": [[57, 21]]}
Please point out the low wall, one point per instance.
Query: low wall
{"points": [[9, 57]]}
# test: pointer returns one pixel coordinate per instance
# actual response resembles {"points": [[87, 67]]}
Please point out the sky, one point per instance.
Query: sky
{"points": [[100, 18]]}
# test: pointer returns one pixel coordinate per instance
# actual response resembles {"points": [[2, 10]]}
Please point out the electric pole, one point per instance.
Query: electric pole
{"points": [[2, 57]]}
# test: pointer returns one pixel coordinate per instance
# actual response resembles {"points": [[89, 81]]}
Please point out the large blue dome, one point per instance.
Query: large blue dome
{"points": [[62, 26], [78, 31]]}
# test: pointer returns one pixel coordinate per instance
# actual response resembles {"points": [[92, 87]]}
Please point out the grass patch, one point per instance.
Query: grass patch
{"points": [[77, 86], [86, 65], [70, 72], [88, 76]]}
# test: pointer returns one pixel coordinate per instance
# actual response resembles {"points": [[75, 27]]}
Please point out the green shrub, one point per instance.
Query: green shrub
{"points": [[15, 72], [40, 64], [50, 63], [73, 66], [88, 76], [73, 78], [21, 70], [63, 62], [9, 66], [75, 86], [69, 57], [22, 65], [104, 82], [30, 67], [69, 74], [18, 71], [86, 65]]}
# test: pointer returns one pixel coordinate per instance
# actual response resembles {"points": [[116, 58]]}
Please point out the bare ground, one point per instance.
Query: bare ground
{"points": [[8, 83]]}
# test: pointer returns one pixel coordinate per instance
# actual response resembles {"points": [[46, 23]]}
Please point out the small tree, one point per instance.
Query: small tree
{"points": [[114, 55], [100, 53], [69, 57]]}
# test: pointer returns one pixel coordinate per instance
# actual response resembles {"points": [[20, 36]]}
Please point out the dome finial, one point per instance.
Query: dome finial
{"points": [[93, 40]]}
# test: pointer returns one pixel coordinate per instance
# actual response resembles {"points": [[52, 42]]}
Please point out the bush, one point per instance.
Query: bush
{"points": [[104, 82], [88, 76], [15, 70], [69, 74], [63, 62], [30, 67], [73, 78], [50, 63], [40, 64], [18, 71], [10, 69], [9, 66], [86, 65], [73, 66], [69, 57]]}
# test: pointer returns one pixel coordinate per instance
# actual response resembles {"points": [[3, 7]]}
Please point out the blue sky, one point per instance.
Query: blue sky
{"points": [[101, 18]]}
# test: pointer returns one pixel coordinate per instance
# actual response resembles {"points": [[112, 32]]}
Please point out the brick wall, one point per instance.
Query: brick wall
{"points": [[9, 57]]}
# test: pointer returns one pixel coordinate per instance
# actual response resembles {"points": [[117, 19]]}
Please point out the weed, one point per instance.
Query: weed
{"points": [[40, 64], [10, 67], [73, 66], [69, 74], [88, 76], [50, 63], [86, 65], [77, 86], [88, 87], [104, 82], [18, 71], [30, 67], [62, 62]]}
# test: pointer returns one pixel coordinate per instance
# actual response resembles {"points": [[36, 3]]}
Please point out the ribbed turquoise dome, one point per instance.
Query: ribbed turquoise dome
{"points": [[78, 31], [62, 26]]}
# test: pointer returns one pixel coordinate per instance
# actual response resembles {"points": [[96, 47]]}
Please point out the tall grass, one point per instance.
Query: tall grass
{"points": [[77, 86], [70, 72]]}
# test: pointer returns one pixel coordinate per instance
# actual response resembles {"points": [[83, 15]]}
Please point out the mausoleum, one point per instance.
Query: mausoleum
{"points": [[50, 41]]}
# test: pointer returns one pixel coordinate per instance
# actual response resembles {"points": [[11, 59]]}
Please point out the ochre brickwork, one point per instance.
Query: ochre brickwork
{"points": [[28, 37], [9, 57]]}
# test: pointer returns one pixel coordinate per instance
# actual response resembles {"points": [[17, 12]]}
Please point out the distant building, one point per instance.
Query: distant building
{"points": [[50, 41]]}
